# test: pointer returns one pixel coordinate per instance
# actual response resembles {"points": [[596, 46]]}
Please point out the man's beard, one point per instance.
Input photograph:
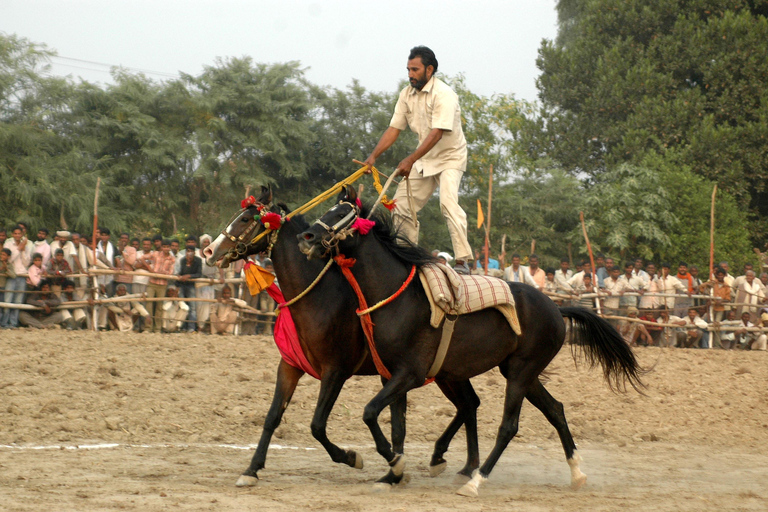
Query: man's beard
{"points": [[419, 84]]}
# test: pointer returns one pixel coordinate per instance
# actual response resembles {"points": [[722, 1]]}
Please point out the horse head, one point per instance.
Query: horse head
{"points": [[236, 240], [336, 228]]}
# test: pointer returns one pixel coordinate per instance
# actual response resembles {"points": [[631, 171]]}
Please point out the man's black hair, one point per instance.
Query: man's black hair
{"points": [[7, 251], [146, 238], [66, 283], [44, 230], [157, 237], [427, 56], [105, 231], [628, 264], [515, 255]]}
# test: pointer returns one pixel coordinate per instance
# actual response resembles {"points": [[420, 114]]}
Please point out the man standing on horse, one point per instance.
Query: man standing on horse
{"points": [[431, 109]]}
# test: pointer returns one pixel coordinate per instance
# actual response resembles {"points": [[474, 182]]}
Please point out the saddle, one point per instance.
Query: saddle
{"points": [[454, 294]]}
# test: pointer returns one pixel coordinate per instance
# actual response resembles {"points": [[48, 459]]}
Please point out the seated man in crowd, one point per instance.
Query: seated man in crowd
{"points": [[631, 331], [669, 335], [68, 294], [750, 340], [174, 311], [693, 331], [47, 317], [654, 331], [123, 315], [223, 314], [727, 338]]}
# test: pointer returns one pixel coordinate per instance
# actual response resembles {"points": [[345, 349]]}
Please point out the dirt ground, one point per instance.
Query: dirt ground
{"points": [[152, 422]]}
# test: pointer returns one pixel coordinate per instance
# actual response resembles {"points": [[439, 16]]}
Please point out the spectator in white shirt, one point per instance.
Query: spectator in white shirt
{"points": [[517, 273], [41, 246], [562, 276], [612, 288], [669, 285], [630, 282], [651, 286], [638, 271]]}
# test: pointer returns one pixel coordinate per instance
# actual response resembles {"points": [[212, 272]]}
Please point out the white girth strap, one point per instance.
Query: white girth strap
{"points": [[442, 349]]}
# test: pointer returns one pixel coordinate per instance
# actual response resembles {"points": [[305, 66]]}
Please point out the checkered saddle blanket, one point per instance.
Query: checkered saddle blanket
{"points": [[454, 294]]}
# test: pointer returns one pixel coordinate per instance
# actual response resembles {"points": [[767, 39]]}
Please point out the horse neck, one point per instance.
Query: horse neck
{"points": [[293, 271], [377, 270]]}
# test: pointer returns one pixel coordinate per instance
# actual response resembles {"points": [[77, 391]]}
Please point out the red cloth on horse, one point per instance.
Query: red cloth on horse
{"points": [[286, 338]]}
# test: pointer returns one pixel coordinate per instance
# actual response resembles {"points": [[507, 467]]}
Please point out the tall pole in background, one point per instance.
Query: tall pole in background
{"points": [[712, 259], [94, 282], [488, 222], [592, 262]]}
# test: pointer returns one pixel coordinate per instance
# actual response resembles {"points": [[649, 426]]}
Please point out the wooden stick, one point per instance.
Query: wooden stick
{"points": [[94, 282], [591, 260], [488, 220], [712, 256]]}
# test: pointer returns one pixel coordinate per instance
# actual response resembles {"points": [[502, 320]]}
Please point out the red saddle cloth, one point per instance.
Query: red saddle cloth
{"points": [[286, 338]]}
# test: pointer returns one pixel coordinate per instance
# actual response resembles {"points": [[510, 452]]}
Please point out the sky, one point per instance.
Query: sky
{"points": [[493, 43]]}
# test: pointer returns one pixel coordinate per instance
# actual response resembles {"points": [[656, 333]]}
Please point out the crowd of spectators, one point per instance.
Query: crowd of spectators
{"points": [[152, 284], [649, 304]]}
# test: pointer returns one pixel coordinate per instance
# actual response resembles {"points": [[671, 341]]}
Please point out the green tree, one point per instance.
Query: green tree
{"points": [[679, 78]]}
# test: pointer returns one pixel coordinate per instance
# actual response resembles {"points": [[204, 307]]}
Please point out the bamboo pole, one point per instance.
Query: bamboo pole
{"points": [[488, 220], [712, 258], [94, 282], [591, 261]]}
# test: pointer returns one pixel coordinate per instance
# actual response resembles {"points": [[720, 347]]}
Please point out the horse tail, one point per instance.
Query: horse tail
{"points": [[601, 344]]}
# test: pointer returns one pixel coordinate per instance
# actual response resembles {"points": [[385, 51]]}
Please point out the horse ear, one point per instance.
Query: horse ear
{"points": [[266, 195], [351, 193]]}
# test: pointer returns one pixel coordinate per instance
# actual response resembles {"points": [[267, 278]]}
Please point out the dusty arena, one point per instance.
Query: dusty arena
{"points": [[148, 422]]}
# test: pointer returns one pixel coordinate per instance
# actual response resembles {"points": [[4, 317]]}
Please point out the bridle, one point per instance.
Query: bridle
{"points": [[341, 229], [245, 241]]}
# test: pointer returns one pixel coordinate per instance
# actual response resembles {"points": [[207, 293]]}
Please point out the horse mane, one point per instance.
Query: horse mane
{"points": [[398, 245]]}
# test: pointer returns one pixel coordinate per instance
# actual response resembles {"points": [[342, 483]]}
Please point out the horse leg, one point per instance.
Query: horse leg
{"points": [[555, 414], [397, 387], [397, 411], [517, 385], [330, 387], [287, 378], [463, 396]]}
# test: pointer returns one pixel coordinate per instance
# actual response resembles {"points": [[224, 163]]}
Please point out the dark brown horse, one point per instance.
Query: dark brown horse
{"points": [[483, 340], [332, 341]]}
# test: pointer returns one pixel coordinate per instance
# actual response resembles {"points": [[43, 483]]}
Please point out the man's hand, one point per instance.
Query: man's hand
{"points": [[47, 309], [404, 167], [185, 277], [369, 163]]}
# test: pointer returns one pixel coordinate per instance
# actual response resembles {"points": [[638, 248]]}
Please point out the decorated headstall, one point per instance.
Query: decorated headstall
{"points": [[347, 225], [269, 219]]}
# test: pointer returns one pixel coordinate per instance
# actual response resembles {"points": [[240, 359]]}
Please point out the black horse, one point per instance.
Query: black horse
{"points": [[407, 344], [332, 341]]}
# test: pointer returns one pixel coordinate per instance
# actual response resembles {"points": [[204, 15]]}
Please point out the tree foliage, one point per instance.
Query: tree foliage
{"points": [[684, 79]]}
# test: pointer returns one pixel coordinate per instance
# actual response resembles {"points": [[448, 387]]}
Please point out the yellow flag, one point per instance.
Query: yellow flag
{"points": [[480, 216]]}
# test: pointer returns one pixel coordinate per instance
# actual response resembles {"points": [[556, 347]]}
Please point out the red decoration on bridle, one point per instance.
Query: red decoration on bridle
{"points": [[272, 220], [248, 201]]}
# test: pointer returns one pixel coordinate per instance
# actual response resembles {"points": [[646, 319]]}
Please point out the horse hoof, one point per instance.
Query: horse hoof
{"points": [[468, 490], [398, 465], [437, 469], [579, 481], [358, 461], [247, 481]]}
